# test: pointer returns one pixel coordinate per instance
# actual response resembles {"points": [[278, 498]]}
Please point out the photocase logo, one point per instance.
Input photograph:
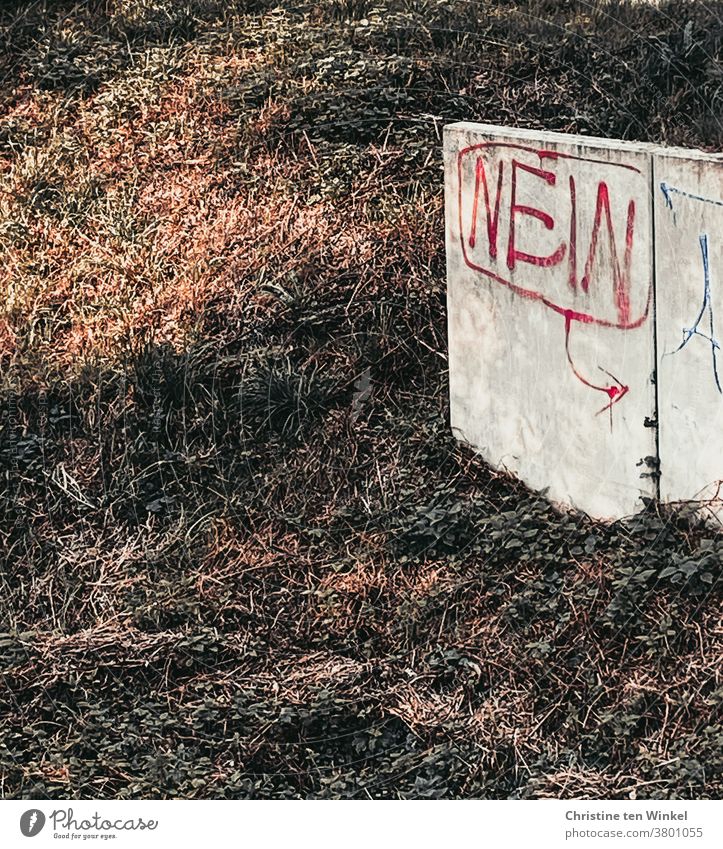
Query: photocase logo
{"points": [[32, 822]]}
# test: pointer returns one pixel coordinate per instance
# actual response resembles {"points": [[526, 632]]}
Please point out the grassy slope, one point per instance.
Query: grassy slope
{"points": [[242, 555]]}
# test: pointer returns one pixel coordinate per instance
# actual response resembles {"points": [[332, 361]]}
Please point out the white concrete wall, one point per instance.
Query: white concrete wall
{"points": [[689, 320], [551, 342]]}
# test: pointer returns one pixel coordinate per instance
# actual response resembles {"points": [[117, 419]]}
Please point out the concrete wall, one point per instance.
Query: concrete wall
{"points": [[689, 272], [554, 274]]}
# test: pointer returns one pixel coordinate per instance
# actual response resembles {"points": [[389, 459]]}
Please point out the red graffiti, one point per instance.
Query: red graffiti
{"points": [[572, 220], [615, 391], [613, 311], [492, 219], [621, 277], [516, 209]]}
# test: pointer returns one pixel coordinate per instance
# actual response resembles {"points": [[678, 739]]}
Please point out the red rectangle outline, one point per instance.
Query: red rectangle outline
{"points": [[532, 294]]}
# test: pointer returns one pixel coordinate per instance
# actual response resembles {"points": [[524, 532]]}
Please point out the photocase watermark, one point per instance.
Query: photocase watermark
{"points": [[43, 413], [13, 430], [32, 822], [157, 411], [66, 826]]}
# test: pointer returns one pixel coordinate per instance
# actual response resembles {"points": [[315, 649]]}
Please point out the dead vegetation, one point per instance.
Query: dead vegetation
{"points": [[242, 556]]}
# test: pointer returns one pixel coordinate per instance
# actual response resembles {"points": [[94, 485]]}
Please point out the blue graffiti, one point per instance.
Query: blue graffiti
{"points": [[669, 191], [707, 305], [690, 332]]}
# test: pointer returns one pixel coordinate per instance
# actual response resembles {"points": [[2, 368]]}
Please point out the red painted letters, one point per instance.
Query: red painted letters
{"points": [[572, 216], [548, 214], [512, 253]]}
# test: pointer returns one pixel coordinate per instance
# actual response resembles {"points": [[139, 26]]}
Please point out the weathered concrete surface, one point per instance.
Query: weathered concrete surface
{"points": [[689, 321], [551, 344]]}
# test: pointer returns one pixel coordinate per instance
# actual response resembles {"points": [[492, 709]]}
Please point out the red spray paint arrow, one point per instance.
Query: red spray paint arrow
{"points": [[615, 392]]}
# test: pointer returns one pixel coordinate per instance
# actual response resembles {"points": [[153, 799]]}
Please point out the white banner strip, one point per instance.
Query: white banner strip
{"points": [[347, 825]]}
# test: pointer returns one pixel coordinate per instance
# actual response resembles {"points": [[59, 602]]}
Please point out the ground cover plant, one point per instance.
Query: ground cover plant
{"points": [[242, 556]]}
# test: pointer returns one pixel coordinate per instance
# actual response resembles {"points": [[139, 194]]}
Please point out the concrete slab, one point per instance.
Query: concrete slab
{"points": [[689, 321], [550, 293]]}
